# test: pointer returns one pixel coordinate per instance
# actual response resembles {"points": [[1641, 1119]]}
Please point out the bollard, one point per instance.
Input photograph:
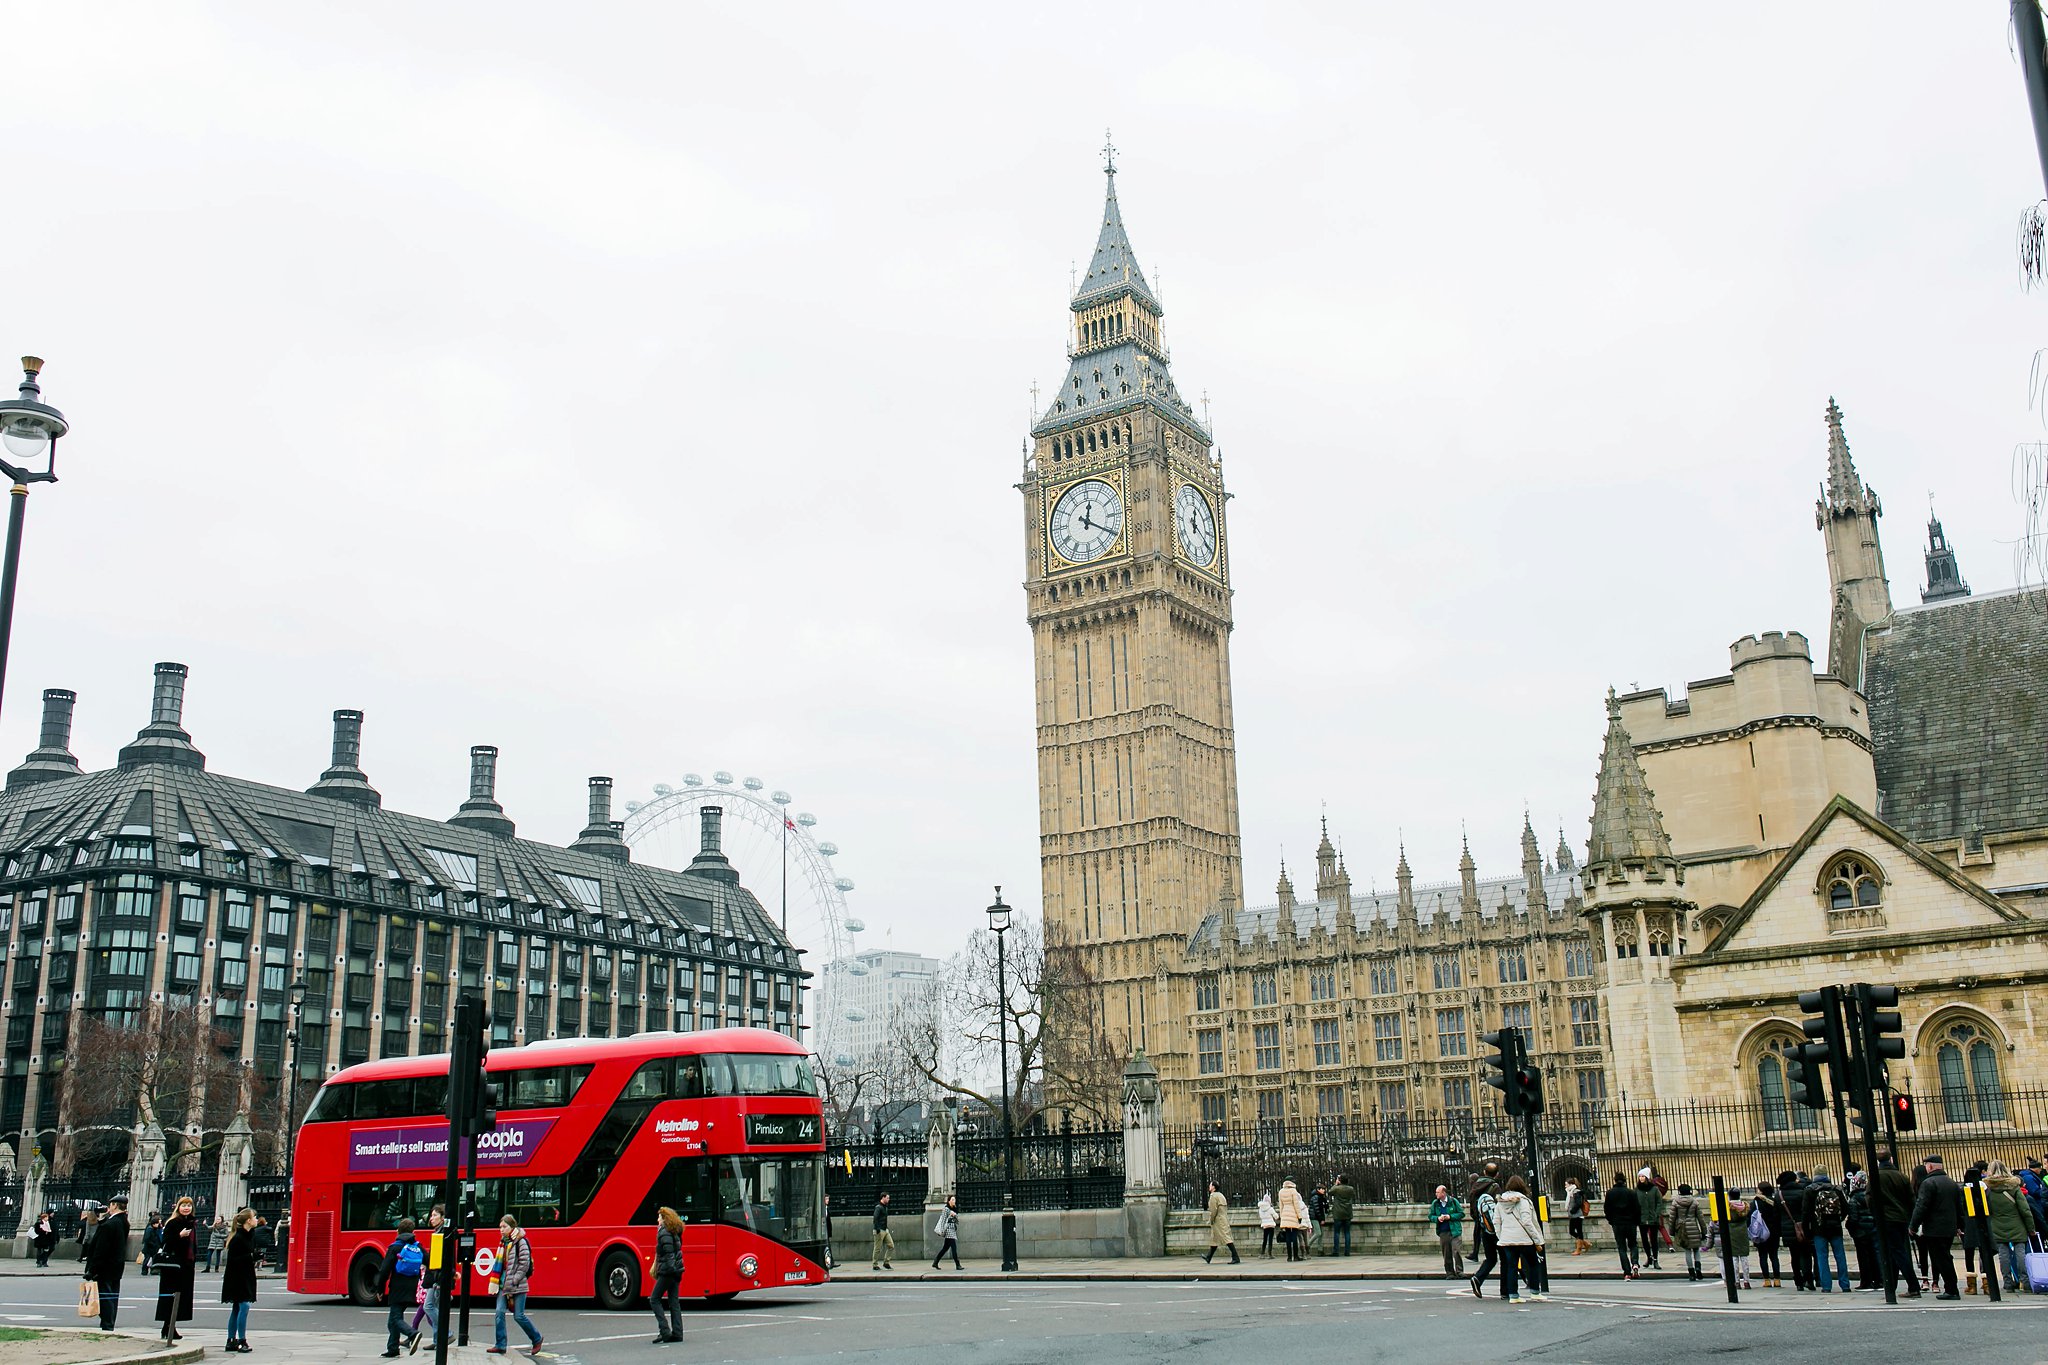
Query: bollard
{"points": [[1721, 1215]]}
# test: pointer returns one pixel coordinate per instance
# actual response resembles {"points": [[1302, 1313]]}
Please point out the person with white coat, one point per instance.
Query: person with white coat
{"points": [[1521, 1241], [1268, 1221]]}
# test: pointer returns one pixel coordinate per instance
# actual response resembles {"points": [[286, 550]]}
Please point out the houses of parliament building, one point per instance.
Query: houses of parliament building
{"points": [[1335, 1006]]}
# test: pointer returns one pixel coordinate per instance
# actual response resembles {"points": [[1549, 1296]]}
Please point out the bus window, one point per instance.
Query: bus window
{"points": [[770, 1073], [376, 1205], [777, 1196], [539, 1087], [650, 1082], [385, 1099], [430, 1095], [535, 1200], [334, 1104], [688, 1083], [683, 1185]]}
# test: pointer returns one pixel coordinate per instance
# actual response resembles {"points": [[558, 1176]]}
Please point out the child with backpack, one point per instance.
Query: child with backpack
{"points": [[399, 1277]]}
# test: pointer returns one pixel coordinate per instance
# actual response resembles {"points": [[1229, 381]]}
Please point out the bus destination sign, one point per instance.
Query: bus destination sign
{"points": [[782, 1130]]}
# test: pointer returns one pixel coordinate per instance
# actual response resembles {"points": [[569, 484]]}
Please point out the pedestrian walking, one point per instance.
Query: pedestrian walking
{"points": [[2012, 1227], [1269, 1221], [152, 1240], [1343, 1204], [1649, 1218], [1862, 1229], [44, 1239], [515, 1272], [109, 1259], [1622, 1208], [1742, 1225], [1937, 1216], [398, 1276], [216, 1244], [175, 1263], [238, 1277], [1521, 1240], [1486, 1182], [1575, 1217], [1447, 1218], [1892, 1199], [1219, 1226], [1827, 1218], [1689, 1230], [668, 1276], [885, 1245], [432, 1288], [1485, 1208], [1292, 1211], [1770, 1211], [1975, 1247], [947, 1230], [1798, 1233]]}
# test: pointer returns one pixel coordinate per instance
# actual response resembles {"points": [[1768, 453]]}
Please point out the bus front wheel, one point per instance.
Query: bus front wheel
{"points": [[618, 1279], [362, 1279]]}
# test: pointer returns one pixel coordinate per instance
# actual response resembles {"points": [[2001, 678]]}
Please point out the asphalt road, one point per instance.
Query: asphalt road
{"points": [[1187, 1323]]}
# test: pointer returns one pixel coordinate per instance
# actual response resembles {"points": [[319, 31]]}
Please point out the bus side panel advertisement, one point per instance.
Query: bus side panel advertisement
{"points": [[424, 1147]]}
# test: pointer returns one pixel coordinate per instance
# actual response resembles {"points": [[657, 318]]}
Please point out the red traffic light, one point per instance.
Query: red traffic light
{"points": [[1904, 1118]]}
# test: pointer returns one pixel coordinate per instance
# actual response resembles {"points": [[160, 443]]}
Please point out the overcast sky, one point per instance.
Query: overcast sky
{"points": [[641, 388]]}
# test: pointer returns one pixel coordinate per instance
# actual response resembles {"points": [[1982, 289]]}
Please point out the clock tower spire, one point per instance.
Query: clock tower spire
{"points": [[1128, 592]]}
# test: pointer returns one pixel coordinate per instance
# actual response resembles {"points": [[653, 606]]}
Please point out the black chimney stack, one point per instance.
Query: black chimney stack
{"points": [[344, 779], [164, 740], [52, 760], [482, 811], [601, 835]]}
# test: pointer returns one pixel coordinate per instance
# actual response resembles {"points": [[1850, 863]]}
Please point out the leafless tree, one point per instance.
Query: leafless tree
{"points": [[1060, 1053], [174, 1069]]}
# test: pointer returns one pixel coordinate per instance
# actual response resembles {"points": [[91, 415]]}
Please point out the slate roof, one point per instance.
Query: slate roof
{"points": [[348, 853], [1958, 694]]}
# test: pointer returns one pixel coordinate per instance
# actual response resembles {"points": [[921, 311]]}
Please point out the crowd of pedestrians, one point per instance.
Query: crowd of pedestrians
{"points": [[173, 1248]]}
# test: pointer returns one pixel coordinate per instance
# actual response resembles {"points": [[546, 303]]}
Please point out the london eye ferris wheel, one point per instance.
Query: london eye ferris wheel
{"points": [[780, 860]]}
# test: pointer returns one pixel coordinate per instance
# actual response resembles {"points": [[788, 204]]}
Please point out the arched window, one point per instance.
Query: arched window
{"points": [[1967, 1059], [1780, 1114], [1852, 885]]}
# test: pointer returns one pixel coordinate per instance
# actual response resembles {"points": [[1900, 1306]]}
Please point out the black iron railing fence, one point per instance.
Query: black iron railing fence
{"points": [[1395, 1161], [1064, 1167], [1386, 1161], [860, 1169]]}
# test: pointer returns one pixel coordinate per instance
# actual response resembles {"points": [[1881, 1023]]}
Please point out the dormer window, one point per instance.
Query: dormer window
{"points": [[1853, 892]]}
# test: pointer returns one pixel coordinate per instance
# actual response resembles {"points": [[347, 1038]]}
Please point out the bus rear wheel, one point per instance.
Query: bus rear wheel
{"points": [[362, 1279], [618, 1279]]}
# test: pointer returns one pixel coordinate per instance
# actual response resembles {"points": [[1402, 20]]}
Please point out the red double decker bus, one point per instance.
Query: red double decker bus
{"points": [[593, 1136]]}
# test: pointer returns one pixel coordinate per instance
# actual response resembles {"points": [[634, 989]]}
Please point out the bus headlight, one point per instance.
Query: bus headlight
{"points": [[749, 1267]]}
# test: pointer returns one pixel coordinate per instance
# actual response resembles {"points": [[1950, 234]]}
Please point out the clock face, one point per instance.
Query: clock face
{"points": [[1086, 521], [1195, 525]]}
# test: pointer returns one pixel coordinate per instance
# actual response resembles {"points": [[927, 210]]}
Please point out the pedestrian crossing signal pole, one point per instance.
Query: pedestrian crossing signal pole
{"points": [[465, 1100], [1721, 1216]]}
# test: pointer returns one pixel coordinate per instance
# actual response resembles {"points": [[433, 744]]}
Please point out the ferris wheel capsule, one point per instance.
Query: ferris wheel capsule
{"points": [[829, 849], [843, 1059], [753, 784], [855, 924], [722, 779], [664, 789], [632, 806], [806, 819], [692, 780], [779, 797], [843, 883]]}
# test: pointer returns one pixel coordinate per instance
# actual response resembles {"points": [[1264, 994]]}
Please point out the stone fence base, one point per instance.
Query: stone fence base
{"points": [[1086, 1233], [1376, 1230]]}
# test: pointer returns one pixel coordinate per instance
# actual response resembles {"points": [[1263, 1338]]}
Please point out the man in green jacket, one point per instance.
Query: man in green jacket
{"points": [[1447, 1216], [1342, 1198]]}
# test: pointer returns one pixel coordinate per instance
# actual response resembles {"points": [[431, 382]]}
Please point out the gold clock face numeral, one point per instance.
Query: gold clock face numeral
{"points": [[1086, 521], [1194, 525]]}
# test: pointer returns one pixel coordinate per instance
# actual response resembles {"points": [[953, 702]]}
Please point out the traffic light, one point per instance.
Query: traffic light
{"points": [[1501, 1067], [1883, 1029], [1528, 1089], [472, 1099], [1904, 1119], [1805, 1084]]}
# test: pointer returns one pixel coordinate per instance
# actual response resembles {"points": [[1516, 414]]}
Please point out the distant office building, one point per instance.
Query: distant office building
{"points": [[869, 990]]}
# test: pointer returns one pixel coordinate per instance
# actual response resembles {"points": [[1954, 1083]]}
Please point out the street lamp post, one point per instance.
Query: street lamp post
{"points": [[291, 1103], [999, 924], [29, 429]]}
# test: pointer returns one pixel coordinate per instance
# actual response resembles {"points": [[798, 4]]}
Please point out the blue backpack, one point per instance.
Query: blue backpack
{"points": [[410, 1259]]}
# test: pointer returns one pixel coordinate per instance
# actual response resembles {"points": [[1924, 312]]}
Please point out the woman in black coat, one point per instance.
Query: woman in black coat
{"points": [[175, 1266], [238, 1278]]}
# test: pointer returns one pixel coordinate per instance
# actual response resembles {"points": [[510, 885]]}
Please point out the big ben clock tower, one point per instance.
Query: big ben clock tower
{"points": [[1127, 566]]}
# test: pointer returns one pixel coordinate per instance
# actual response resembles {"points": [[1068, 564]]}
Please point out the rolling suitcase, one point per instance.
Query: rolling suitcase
{"points": [[2037, 1267]]}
